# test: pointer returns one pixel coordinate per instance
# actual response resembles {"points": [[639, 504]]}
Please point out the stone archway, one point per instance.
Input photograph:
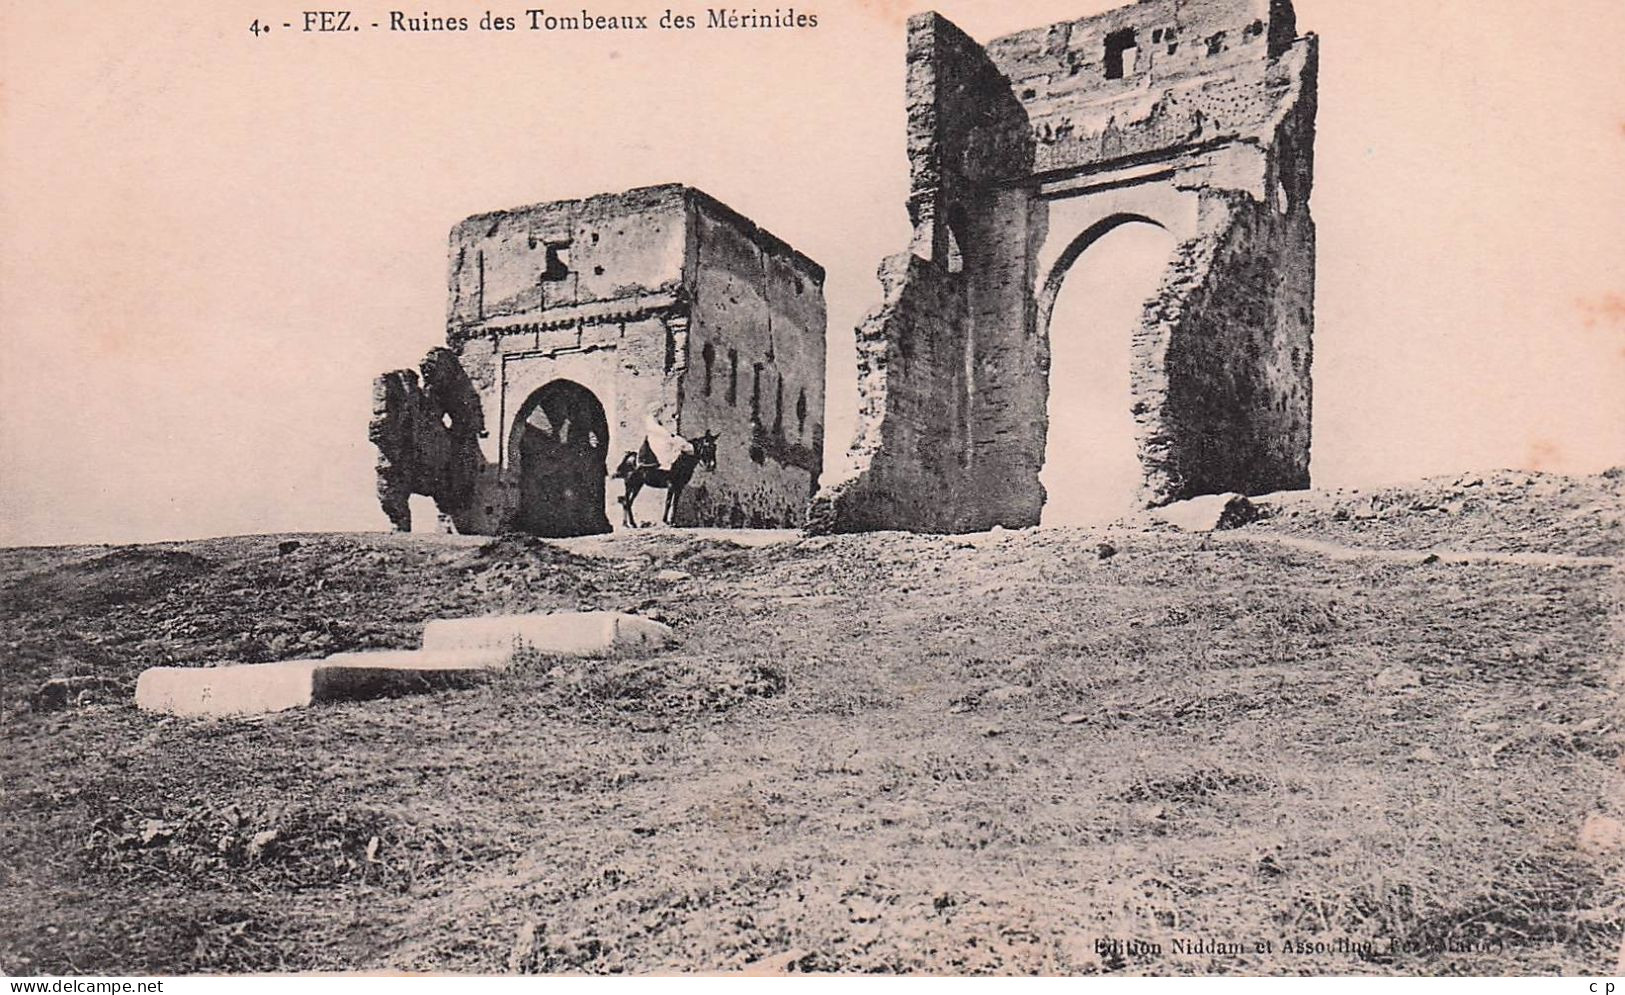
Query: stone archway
{"points": [[558, 448], [1017, 146], [1050, 288], [1089, 305]]}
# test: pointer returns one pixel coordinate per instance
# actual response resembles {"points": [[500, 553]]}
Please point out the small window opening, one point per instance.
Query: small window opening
{"points": [[1120, 52], [558, 261], [733, 376], [778, 406], [801, 413], [756, 394], [709, 355]]}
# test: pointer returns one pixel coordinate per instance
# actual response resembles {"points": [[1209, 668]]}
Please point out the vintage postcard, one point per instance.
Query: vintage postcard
{"points": [[1060, 487]]}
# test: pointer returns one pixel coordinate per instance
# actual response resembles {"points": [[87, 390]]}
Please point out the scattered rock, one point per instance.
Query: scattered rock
{"points": [[1601, 834], [287, 546], [521, 957], [156, 831], [62, 692], [1425, 754], [1073, 719], [1009, 692], [672, 576], [1105, 551], [260, 841], [1208, 513]]}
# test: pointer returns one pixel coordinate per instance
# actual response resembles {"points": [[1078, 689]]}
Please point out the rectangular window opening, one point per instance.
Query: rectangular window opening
{"points": [[1120, 53]]}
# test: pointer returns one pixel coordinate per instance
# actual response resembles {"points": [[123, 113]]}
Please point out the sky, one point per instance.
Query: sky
{"points": [[210, 242]]}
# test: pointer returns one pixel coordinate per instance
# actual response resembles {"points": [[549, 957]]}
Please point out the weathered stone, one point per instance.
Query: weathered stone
{"points": [[257, 688], [560, 633], [240, 689], [62, 692], [570, 321], [427, 434], [1196, 116], [1208, 513]]}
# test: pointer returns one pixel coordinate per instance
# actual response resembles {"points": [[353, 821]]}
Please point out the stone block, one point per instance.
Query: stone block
{"points": [[240, 689], [562, 633], [1208, 513], [259, 688]]}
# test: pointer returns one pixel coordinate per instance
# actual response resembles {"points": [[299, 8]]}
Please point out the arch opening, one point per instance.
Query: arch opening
{"points": [[1089, 307], [559, 445]]}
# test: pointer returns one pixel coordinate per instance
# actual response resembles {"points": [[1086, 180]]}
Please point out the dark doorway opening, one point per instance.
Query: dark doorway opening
{"points": [[559, 444]]}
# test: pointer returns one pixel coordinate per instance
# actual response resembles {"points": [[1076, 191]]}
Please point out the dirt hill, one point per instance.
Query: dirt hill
{"points": [[1378, 732]]}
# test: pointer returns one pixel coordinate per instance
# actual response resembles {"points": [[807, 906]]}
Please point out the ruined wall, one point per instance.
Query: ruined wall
{"points": [[426, 431], [1194, 75], [605, 293], [1237, 404], [1193, 115], [903, 470], [753, 372], [941, 426], [568, 252]]}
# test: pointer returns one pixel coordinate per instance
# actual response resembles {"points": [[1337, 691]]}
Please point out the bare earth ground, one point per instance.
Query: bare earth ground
{"points": [[869, 753]]}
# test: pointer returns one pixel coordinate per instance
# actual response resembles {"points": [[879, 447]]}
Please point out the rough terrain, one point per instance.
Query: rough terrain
{"points": [[889, 753]]}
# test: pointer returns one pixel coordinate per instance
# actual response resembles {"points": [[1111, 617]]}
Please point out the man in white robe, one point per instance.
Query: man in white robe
{"points": [[661, 446]]}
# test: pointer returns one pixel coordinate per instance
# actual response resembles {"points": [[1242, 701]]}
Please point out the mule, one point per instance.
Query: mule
{"points": [[638, 476]]}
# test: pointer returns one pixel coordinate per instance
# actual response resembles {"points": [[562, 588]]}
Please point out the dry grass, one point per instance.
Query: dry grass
{"points": [[882, 753]]}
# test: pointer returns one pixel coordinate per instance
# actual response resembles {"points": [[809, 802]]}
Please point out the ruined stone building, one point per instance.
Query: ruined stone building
{"points": [[566, 323], [1196, 116]]}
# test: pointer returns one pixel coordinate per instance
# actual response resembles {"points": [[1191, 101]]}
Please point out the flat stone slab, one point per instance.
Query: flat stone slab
{"points": [[239, 689], [258, 688], [560, 633], [456, 652]]}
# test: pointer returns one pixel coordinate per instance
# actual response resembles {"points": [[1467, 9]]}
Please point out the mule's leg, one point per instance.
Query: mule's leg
{"points": [[674, 492], [633, 485]]}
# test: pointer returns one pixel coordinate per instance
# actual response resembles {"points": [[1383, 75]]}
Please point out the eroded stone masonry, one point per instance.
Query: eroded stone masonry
{"points": [[1193, 115], [566, 323]]}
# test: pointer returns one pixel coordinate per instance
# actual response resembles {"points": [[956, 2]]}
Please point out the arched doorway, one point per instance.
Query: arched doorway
{"points": [[558, 445], [1089, 306]]}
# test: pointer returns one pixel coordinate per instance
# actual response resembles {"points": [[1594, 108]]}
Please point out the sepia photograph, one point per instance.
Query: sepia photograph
{"points": [[883, 487]]}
